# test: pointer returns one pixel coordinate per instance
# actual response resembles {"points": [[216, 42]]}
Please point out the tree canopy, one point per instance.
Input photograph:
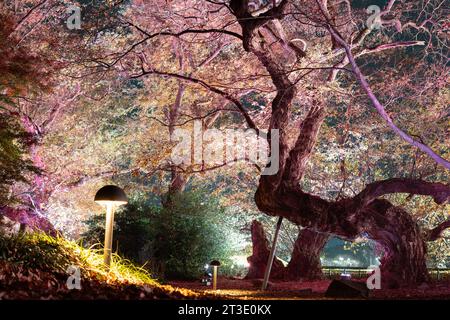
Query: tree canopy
{"points": [[360, 102]]}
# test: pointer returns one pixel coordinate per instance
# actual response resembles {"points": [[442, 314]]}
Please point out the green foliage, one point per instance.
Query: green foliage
{"points": [[35, 251], [132, 229], [43, 252], [35, 266], [13, 165], [176, 240], [192, 231]]}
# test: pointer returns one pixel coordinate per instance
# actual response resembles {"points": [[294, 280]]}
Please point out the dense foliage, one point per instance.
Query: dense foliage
{"points": [[174, 241], [13, 162], [136, 70]]}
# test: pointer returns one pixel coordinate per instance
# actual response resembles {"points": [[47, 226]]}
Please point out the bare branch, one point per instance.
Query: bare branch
{"points": [[380, 108], [207, 86], [149, 36]]}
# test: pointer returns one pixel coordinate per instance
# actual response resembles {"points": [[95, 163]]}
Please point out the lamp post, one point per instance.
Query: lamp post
{"points": [[215, 264], [110, 196]]}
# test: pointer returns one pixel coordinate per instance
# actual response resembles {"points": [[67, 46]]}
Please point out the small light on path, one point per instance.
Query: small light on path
{"points": [[111, 197], [215, 264]]}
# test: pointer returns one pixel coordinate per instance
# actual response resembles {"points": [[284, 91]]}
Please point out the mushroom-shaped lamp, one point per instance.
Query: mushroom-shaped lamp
{"points": [[110, 196], [215, 264]]}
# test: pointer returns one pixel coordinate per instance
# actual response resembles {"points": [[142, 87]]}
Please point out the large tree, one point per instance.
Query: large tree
{"points": [[43, 79], [360, 111], [303, 47]]}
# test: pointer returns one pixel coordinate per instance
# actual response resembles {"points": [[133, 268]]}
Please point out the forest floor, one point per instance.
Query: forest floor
{"points": [[307, 290], [40, 267], [37, 267]]}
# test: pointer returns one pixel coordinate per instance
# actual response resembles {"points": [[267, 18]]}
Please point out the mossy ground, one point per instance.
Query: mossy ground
{"points": [[34, 266]]}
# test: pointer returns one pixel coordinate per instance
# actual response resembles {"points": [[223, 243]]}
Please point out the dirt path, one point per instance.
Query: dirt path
{"points": [[247, 289]]}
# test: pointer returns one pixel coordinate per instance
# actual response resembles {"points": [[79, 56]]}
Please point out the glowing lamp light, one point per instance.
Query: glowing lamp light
{"points": [[215, 264], [110, 196]]}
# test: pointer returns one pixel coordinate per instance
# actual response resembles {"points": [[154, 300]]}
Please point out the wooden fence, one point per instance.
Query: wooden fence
{"points": [[356, 272]]}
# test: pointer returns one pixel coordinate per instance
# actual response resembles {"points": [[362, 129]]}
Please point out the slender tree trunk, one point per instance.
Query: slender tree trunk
{"points": [[305, 259], [177, 180]]}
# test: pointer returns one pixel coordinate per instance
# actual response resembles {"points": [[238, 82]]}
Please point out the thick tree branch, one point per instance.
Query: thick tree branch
{"points": [[435, 233], [440, 192], [306, 140], [249, 23]]}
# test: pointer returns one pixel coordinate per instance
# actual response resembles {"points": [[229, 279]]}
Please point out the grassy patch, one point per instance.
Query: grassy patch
{"points": [[34, 266]]}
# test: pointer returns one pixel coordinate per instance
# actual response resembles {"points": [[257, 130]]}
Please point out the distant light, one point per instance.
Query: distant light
{"points": [[241, 261], [206, 266], [346, 276]]}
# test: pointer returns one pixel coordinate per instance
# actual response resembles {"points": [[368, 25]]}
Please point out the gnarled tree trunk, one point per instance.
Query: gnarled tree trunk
{"points": [[261, 251], [404, 259], [282, 195], [305, 259], [394, 229]]}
